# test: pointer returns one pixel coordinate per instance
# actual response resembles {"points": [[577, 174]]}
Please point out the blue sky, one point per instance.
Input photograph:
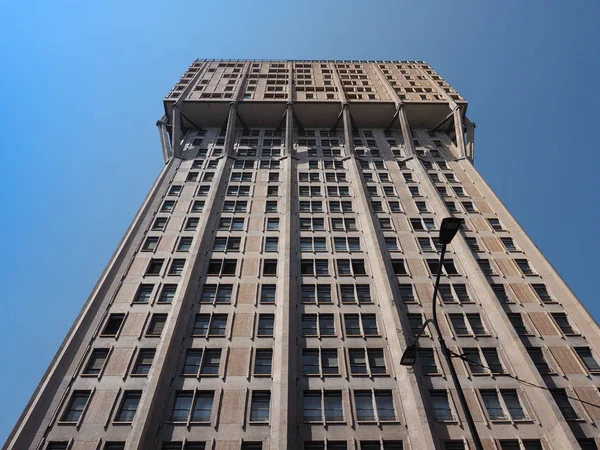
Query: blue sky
{"points": [[82, 86]]}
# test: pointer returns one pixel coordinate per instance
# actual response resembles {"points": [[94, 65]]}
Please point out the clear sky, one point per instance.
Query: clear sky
{"points": [[82, 84]]}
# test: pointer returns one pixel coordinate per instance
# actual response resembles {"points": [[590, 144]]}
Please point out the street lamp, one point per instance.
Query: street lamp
{"points": [[448, 229]]}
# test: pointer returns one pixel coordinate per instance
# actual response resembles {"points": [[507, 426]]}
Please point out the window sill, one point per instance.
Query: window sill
{"points": [[262, 422], [138, 375], [115, 423], [90, 375]]}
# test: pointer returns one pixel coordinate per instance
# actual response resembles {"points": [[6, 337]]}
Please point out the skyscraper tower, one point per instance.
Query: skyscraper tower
{"points": [[285, 258]]}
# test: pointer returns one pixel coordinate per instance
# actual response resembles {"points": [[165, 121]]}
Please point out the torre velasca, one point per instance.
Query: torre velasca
{"points": [[285, 259]]}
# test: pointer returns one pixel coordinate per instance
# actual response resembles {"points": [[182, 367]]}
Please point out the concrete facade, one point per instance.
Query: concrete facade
{"points": [[269, 284]]}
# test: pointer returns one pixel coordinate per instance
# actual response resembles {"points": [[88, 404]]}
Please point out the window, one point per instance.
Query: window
{"points": [[271, 244], [427, 361], [203, 190], [225, 244], [252, 445], [338, 224], [143, 362], [213, 293], [509, 244], [351, 267], [235, 206], [473, 244], [585, 353], [319, 293], [191, 224], [345, 244], [238, 191], [204, 363], [500, 292], [366, 410], [562, 401], [394, 207], [391, 244], [563, 323], [421, 206], [335, 207], [359, 293], [185, 243], [486, 267], [157, 324], [314, 267], [76, 406], [503, 405], [399, 267], [406, 293], [267, 294], [587, 444], [57, 446], [483, 363], [441, 406], [113, 325], [469, 207], [168, 293], [176, 268], [542, 293], [260, 406], [195, 406], [155, 266], [266, 323], [231, 223], [367, 362], [414, 191], [524, 266], [150, 244], [495, 224], [454, 445], [114, 446], [129, 406], [167, 206], [197, 206], [175, 190], [360, 325], [426, 245], [538, 358], [516, 319], [96, 362], [474, 327], [318, 325], [213, 325], [263, 361], [272, 224], [221, 267], [448, 267], [314, 403], [271, 206]]}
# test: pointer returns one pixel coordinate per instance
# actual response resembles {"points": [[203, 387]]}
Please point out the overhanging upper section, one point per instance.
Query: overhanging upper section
{"points": [[262, 89]]}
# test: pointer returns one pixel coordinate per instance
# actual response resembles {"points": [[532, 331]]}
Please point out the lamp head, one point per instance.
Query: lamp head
{"points": [[409, 356], [449, 228]]}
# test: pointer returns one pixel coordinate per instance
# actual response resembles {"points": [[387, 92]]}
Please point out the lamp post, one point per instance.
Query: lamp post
{"points": [[448, 229]]}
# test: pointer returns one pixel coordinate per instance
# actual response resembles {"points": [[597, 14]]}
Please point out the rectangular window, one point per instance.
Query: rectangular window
{"points": [[500, 292], [167, 294], [524, 266], [563, 323], [221, 267], [76, 406], [260, 406], [157, 324], [399, 267], [441, 406], [176, 268], [537, 356], [473, 244], [113, 325], [266, 323], [129, 406], [96, 362], [271, 244], [562, 401], [509, 244], [586, 356], [267, 294], [143, 362], [426, 357], [495, 224], [144, 293], [542, 293], [185, 244], [150, 244], [192, 223], [516, 319], [263, 362], [155, 266], [272, 224], [160, 223]]}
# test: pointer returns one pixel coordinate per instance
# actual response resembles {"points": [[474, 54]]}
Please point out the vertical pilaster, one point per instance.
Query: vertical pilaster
{"points": [[164, 139], [470, 144], [507, 338], [151, 407], [459, 132], [285, 366], [417, 423], [176, 130]]}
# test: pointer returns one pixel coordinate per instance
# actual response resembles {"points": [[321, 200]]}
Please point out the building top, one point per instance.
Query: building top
{"points": [[373, 89]]}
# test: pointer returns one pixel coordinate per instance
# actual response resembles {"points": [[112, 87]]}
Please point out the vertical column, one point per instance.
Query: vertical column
{"points": [[508, 340], [150, 410], [459, 131], [176, 130], [164, 138], [417, 422], [470, 145], [284, 367]]}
